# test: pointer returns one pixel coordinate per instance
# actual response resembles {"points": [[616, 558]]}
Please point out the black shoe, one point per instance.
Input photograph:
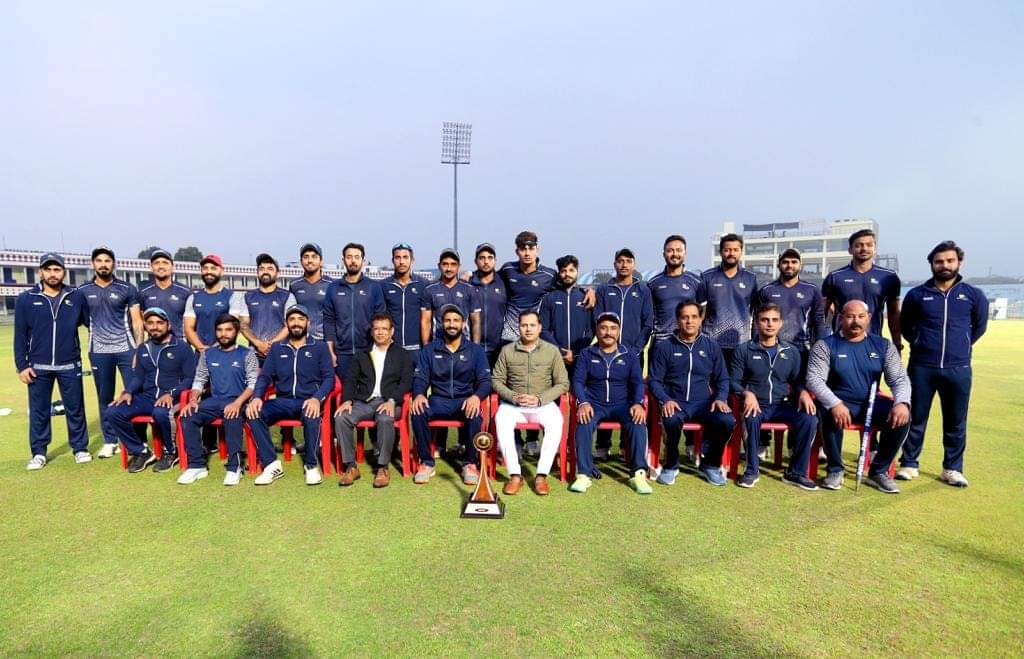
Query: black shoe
{"points": [[748, 480], [802, 482], [165, 463], [140, 462]]}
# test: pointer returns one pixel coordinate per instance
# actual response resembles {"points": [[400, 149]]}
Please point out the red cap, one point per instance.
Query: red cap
{"points": [[212, 258]]}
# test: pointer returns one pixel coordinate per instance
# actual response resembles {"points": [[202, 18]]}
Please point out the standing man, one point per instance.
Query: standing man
{"points": [[608, 385], [840, 372], [311, 290], [231, 371], [351, 303], [492, 298], [162, 369], [671, 286], [447, 290], [942, 319], [691, 382], [766, 376], [374, 389], [164, 292], [300, 370], [529, 377], [46, 350], [266, 306], [565, 319], [456, 372], [876, 286], [207, 304], [731, 292], [402, 294], [526, 281], [799, 302], [115, 328]]}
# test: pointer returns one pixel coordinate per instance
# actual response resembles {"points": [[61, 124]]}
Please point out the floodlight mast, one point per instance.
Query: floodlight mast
{"points": [[455, 146]]}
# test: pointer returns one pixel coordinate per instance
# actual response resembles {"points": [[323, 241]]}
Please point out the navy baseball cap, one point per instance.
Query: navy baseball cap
{"points": [[486, 247], [450, 252], [625, 251], [103, 249], [160, 254], [297, 308], [155, 311], [608, 315], [266, 258], [311, 247], [453, 308], [51, 257]]}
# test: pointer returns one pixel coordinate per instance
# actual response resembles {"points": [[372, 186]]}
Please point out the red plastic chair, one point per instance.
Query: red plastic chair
{"points": [[568, 450], [655, 430], [287, 426], [158, 445], [563, 406], [401, 427], [485, 410], [222, 446]]}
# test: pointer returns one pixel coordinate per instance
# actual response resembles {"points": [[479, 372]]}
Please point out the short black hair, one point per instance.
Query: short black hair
{"points": [[729, 238], [790, 254], [946, 246], [863, 233], [568, 259], [529, 312], [362, 250], [525, 238], [766, 307], [227, 318], [380, 315], [673, 238], [688, 303]]}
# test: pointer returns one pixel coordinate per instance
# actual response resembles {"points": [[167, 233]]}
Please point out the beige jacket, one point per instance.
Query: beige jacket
{"points": [[539, 372]]}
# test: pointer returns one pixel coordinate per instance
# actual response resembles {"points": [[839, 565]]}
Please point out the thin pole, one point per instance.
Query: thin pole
{"points": [[455, 205]]}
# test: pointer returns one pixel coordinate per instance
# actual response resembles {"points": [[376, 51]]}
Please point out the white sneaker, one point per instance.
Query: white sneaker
{"points": [[233, 477], [36, 463], [271, 473], [907, 474], [313, 476], [191, 475], [81, 457], [108, 451], [953, 477]]}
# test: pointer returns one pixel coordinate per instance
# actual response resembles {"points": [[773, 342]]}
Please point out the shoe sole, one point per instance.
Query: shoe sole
{"points": [[951, 484], [800, 485], [708, 479], [160, 471], [197, 478], [145, 465], [274, 477], [417, 481], [743, 483], [873, 483]]}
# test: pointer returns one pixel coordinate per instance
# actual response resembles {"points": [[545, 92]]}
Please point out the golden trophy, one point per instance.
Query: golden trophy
{"points": [[483, 502]]}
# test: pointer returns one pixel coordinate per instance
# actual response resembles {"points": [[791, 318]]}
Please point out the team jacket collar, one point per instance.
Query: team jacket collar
{"points": [[675, 337], [38, 290], [754, 344], [930, 285]]}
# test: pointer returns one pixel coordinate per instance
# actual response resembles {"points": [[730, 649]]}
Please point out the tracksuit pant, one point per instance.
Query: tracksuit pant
{"points": [[549, 416], [119, 419], [635, 432], [209, 411], [604, 437], [802, 427], [448, 409], [281, 409], [954, 388], [384, 443], [718, 427], [104, 375], [889, 439], [40, 396]]}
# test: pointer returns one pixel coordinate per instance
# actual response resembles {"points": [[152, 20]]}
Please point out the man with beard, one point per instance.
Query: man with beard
{"points": [[300, 370], [492, 298], [402, 295], [447, 290], [942, 319], [311, 290], [565, 319], [671, 286], [350, 304], [164, 292], [46, 350], [231, 371], [207, 304], [266, 306], [840, 371], [115, 329], [163, 368], [876, 286], [731, 292], [800, 303], [456, 372]]}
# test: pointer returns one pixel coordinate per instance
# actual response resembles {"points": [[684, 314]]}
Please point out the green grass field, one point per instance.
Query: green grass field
{"points": [[99, 562]]}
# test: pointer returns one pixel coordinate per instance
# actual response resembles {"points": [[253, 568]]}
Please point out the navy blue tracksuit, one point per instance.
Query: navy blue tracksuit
{"points": [[775, 376], [693, 375], [667, 291], [348, 309], [941, 329], [492, 298], [525, 289], [266, 311], [611, 383], [230, 372], [874, 287], [452, 378], [566, 322], [312, 295], [803, 313], [438, 295], [46, 340], [730, 303], [171, 299], [403, 303], [635, 309], [159, 369]]}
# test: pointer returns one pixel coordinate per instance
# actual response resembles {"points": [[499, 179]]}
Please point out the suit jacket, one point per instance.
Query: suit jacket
{"points": [[396, 380]]}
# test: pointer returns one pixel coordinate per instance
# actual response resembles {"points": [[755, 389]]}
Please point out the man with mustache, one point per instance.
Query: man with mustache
{"points": [[799, 302], [731, 292], [310, 290], [447, 290], [840, 371], [164, 292], [671, 286], [350, 304], [266, 305], [492, 298], [402, 294], [565, 319], [876, 286], [942, 319], [207, 304]]}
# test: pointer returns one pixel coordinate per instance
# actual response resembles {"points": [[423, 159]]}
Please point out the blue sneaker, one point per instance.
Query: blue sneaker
{"points": [[668, 476], [713, 475]]}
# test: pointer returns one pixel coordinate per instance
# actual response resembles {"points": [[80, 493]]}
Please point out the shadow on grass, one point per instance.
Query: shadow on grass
{"points": [[262, 635], [982, 557]]}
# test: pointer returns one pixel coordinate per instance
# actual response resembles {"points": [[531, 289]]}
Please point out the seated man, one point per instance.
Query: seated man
{"points": [[529, 376], [690, 380], [840, 371], [459, 379], [301, 372], [162, 368], [609, 386], [231, 371], [766, 375], [375, 385]]}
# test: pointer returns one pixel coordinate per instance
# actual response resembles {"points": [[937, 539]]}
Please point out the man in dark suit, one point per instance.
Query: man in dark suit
{"points": [[375, 384]]}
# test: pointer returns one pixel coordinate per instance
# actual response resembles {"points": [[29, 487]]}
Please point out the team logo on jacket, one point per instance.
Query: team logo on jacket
{"points": [[284, 356], [635, 294], [873, 280], [700, 352], [170, 355], [961, 296], [534, 283], [275, 303], [462, 358], [686, 287], [800, 295], [362, 292], [873, 355], [308, 353], [220, 303], [235, 364], [783, 355], [114, 296], [173, 297], [742, 285], [620, 361], [755, 356]]}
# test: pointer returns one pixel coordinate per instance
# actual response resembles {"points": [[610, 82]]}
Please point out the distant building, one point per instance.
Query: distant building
{"points": [[823, 245]]}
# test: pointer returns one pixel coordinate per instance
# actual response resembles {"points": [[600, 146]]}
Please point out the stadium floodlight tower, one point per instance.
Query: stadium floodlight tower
{"points": [[455, 141]]}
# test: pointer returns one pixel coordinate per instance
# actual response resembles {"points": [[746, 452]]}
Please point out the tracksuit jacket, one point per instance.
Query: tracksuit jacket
{"points": [[302, 373], [162, 368], [347, 313], [685, 373], [595, 381], [564, 320], [635, 308], [941, 328], [44, 337], [493, 300], [458, 374], [754, 370]]}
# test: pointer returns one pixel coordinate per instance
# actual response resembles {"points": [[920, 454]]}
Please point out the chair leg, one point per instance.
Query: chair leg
{"points": [[326, 443], [222, 443], [250, 452], [654, 444], [698, 438], [403, 443], [287, 443], [180, 440], [812, 463], [124, 456], [360, 444], [778, 448], [158, 443]]}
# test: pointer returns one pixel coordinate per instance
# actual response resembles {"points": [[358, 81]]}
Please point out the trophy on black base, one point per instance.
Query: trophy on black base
{"points": [[483, 502]]}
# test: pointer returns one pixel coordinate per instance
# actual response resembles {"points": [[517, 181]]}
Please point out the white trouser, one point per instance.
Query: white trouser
{"points": [[548, 416]]}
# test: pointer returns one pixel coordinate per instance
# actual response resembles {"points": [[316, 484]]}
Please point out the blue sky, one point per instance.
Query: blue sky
{"points": [[242, 127]]}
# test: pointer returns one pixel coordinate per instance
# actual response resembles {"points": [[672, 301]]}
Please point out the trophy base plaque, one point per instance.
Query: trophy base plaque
{"points": [[484, 509], [483, 503]]}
